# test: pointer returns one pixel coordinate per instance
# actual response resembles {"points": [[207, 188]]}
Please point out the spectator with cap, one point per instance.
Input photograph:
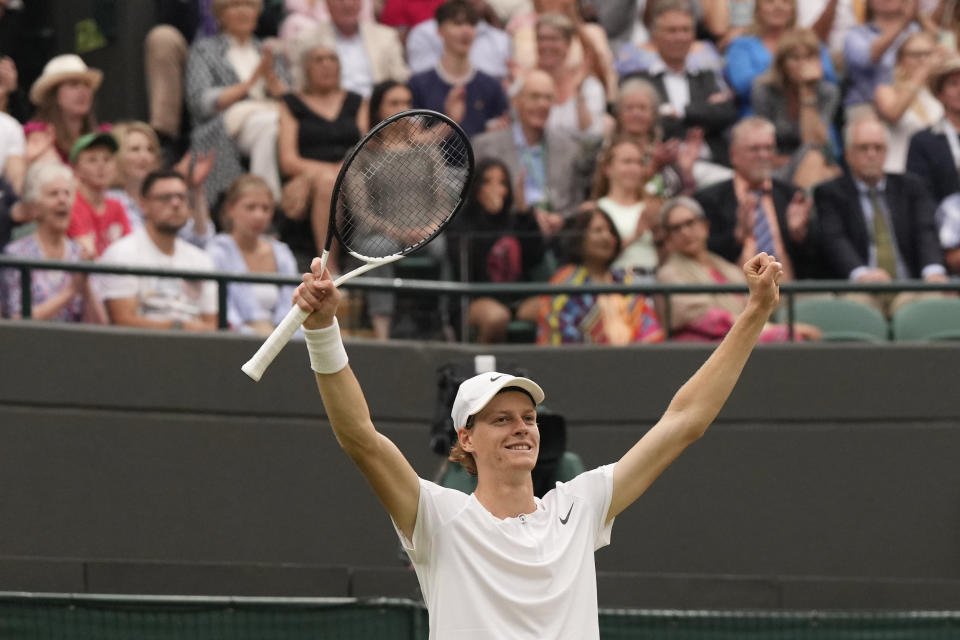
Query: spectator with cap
{"points": [[755, 212], [934, 152], [149, 301], [877, 226], [56, 295], [63, 95], [369, 52], [489, 53], [455, 86], [96, 221]]}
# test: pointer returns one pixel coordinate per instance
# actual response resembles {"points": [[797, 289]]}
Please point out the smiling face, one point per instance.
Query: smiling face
{"points": [[95, 168], [626, 166], [504, 435], [637, 113], [534, 100], [552, 48], [775, 14], [686, 232], [673, 35], [599, 242], [322, 69], [137, 156]]}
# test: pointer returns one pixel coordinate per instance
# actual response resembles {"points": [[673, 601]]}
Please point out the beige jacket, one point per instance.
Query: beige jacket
{"points": [[687, 308]]}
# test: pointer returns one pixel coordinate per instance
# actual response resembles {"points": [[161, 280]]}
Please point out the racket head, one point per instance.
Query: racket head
{"points": [[401, 185]]}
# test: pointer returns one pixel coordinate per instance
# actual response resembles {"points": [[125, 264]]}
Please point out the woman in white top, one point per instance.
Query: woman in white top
{"points": [[580, 102], [618, 190], [907, 106], [247, 213]]}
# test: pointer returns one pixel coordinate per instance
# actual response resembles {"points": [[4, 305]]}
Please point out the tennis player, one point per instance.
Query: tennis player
{"points": [[501, 563]]}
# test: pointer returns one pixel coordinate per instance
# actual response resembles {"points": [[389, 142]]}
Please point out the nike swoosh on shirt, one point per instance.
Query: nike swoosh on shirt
{"points": [[564, 520]]}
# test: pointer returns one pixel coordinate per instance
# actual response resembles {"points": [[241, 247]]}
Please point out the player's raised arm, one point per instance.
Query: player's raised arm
{"points": [[388, 472], [700, 399]]}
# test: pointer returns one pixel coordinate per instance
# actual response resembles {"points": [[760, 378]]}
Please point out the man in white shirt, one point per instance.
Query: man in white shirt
{"points": [[489, 52], [149, 301], [500, 563]]}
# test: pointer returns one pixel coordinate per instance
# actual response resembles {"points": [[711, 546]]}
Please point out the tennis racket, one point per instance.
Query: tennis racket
{"points": [[397, 189]]}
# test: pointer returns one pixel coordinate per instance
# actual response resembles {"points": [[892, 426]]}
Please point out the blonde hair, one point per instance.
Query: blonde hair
{"points": [[756, 28], [601, 182], [464, 458], [122, 133], [899, 74], [238, 188], [558, 22]]}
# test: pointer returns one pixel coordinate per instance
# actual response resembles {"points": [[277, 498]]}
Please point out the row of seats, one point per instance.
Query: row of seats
{"points": [[922, 320]]}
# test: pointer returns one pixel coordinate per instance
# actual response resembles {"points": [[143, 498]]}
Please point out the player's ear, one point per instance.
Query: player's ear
{"points": [[465, 437]]}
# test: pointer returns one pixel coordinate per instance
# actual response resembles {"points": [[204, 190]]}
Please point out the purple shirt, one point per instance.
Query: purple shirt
{"points": [[485, 98], [43, 284]]}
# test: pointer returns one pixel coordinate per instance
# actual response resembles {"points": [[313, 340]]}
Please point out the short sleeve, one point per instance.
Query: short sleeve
{"points": [[435, 506], [112, 286], [595, 487]]}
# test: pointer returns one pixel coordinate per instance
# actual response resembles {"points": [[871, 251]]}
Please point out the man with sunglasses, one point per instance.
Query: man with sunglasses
{"points": [[149, 301]]}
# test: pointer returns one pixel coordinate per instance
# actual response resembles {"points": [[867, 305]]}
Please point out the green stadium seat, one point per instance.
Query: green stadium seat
{"points": [[927, 320], [841, 319]]}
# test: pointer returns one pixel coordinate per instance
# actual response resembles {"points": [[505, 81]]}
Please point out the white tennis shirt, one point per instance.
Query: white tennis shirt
{"points": [[527, 578]]}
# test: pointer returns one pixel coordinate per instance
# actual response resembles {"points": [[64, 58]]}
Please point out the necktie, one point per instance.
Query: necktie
{"points": [[886, 258], [761, 228]]}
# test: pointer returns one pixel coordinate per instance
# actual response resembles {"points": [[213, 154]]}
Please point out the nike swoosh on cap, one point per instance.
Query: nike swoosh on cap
{"points": [[495, 378]]}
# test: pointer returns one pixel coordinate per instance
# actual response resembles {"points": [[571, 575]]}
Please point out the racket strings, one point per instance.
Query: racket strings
{"points": [[401, 187]]}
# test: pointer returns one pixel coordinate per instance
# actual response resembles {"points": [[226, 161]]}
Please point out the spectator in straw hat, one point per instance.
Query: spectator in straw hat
{"points": [[64, 97], [934, 153]]}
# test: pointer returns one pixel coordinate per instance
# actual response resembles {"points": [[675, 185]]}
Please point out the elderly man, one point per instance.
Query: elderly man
{"points": [[687, 77], [934, 153], [754, 212], [369, 52], [877, 226], [541, 163], [148, 301], [489, 52]]}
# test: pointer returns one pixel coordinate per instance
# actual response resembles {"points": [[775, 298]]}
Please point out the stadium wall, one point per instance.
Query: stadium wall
{"points": [[134, 462]]}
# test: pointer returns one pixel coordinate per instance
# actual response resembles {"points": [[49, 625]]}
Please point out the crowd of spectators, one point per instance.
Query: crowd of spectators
{"points": [[617, 141]]}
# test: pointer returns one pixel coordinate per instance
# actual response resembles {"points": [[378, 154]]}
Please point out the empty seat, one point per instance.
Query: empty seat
{"points": [[936, 319], [841, 319]]}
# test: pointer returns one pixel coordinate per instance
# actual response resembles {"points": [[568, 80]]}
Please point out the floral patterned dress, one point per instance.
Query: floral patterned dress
{"points": [[43, 284]]}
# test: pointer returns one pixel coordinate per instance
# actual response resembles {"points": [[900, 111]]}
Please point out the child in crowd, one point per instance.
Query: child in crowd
{"points": [[95, 221]]}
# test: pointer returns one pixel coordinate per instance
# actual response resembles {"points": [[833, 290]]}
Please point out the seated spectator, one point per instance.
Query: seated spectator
{"points": [[319, 124], [676, 40], [794, 95], [149, 301], [906, 105], [727, 20], [304, 15], [580, 103], [870, 49], [388, 98], [64, 98], [670, 166], [754, 212], [751, 54], [706, 317], [618, 192], [546, 186], [589, 48], [877, 227], [691, 95], [55, 295], [245, 248], [232, 84], [831, 20], [933, 154], [96, 221], [612, 318], [369, 52], [492, 241], [455, 87], [489, 53], [139, 154]]}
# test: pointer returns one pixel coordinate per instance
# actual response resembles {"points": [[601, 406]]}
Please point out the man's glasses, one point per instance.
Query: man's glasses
{"points": [[167, 198]]}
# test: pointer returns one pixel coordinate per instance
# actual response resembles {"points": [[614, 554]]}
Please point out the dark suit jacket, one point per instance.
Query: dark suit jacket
{"points": [[929, 158], [719, 201], [846, 239], [714, 119]]}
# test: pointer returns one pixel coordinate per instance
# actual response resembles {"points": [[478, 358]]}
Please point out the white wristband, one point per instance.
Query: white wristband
{"points": [[325, 347]]}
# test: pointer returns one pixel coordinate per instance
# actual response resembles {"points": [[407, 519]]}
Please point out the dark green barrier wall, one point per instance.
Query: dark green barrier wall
{"points": [[147, 463]]}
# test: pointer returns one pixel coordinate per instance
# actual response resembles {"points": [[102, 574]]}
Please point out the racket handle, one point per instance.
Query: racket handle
{"points": [[274, 343]]}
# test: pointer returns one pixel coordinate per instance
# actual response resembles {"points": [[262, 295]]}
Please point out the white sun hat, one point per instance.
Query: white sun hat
{"points": [[474, 394], [60, 68]]}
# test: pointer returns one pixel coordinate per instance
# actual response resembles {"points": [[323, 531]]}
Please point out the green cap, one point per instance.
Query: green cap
{"points": [[96, 139]]}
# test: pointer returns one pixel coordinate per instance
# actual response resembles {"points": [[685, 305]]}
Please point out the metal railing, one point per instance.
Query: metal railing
{"points": [[790, 290]]}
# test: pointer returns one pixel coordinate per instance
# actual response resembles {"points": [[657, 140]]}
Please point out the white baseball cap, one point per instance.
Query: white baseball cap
{"points": [[474, 394]]}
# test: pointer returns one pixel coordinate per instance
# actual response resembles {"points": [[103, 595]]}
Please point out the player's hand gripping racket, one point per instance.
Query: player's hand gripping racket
{"points": [[396, 191]]}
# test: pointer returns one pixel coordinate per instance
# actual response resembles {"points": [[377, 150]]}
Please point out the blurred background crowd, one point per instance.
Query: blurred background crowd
{"points": [[617, 141]]}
